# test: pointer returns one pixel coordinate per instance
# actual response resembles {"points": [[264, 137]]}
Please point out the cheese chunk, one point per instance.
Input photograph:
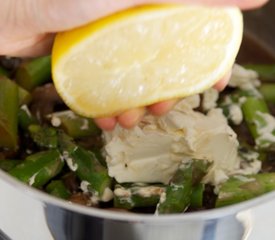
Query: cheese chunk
{"points": [[153, 150]]}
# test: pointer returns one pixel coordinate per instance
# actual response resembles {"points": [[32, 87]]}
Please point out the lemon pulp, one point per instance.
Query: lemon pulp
{"points": [[144, 55]]}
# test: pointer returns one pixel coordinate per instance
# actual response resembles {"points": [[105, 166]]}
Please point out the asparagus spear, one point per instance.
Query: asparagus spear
{"points": [[74, 125], [200, 168], [3, 72], [44, 136], [260, 123], [177, 197], [231, 104], [238, 189], [37, 169], [33, 73], [86, 166], [58, 189], [268, 92], [9, 164], [8, 113], [24, 96], [266, 71], [136, 195], [196, 200], [25, 118]]}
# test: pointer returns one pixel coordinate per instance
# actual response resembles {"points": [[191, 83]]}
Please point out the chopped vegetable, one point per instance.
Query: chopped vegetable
{"points": [[260, 122], [137, 195], [24, 96], [33, 73], [197, 196], [25, 118], [3, 72], [58, 189], [177, 197], [8, 113], [86, 166], [266, 71], [47, 146], [39, 168], [44, 136], [74, 125], [9, 164], [240, 188], [268, 92]]}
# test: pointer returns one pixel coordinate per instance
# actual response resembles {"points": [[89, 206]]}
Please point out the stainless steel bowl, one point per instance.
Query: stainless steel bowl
{"points": [[28, 214]]}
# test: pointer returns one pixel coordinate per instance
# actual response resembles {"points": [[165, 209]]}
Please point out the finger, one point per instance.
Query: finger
{"points": [[107, 123], [223, 82], [34, 47], [131, 117], [41, 16], [162, 108], [58, 15]]}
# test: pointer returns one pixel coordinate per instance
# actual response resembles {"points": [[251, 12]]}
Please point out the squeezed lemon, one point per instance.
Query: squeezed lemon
{"points": [[144, 55]]}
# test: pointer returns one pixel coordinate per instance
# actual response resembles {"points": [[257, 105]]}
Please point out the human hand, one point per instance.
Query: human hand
{"points": [[27, 28]]}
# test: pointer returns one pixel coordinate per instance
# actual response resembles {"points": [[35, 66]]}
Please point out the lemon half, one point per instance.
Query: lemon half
{"points": [[144, 55]]}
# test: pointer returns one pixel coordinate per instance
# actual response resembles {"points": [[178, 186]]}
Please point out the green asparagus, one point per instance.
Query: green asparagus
{"points": [[33, 73], [8, 113], [136, 195], [268, 92], [44, 136], [266, 71], [74, 125], [9, 164], [259, 122], [177, 197], [58, 189], [25, 118], [238, 189], [24, 96], [3, 72], [231, 104], [196, 200], [86, 166], [200, 168], [39, 168]]}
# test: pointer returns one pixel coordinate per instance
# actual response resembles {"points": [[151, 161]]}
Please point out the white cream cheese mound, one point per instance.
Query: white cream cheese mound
{"points": [[153, 151]]}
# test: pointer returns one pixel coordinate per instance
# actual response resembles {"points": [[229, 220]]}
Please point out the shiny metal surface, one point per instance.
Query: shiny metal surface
{"points": [[28, 214]]}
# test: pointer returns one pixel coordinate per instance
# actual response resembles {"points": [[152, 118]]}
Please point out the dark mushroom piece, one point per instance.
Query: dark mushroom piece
{"points": [[45, 101]]}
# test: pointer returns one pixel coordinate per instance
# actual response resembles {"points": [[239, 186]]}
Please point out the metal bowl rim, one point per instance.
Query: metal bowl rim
{"points": [[113, 215]]}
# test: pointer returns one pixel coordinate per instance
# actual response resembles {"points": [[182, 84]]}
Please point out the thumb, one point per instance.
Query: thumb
{"points": [[25, 24], [42, 16], [59, 15]]}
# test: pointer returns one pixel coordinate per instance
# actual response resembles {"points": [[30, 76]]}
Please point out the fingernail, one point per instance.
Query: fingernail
{"points": [[107, 124], [131, 118], [162, 108]]}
